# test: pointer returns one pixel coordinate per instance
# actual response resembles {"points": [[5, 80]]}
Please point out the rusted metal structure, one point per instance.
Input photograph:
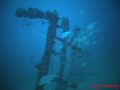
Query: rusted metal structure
{"points": [[43, 66]]}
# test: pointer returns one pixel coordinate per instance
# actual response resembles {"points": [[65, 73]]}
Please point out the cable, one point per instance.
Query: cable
{"points": [[52, 70], [39, 29], [31, 45], [25, 23]]}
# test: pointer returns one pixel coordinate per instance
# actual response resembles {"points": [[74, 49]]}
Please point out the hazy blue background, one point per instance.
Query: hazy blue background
{"points": [[17, 70]]}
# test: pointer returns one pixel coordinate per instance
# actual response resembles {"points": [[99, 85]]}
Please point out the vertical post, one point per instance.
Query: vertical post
{"points": [[51, 34], [33, 13], [65, 27], [74, 52]]}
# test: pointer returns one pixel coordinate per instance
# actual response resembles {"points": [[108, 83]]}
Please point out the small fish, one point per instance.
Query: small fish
{"points": [[91, 26], [31, 57], [83, 39], [94, 42], [66, 34], [90, 33], [69, 83], [79, 40], [60, 47], [86, 43], [43, 22], [83, 64], [27, 24], [81, 12]]}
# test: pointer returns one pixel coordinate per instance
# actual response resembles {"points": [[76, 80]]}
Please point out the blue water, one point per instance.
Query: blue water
{"points": [[18, 43]]}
